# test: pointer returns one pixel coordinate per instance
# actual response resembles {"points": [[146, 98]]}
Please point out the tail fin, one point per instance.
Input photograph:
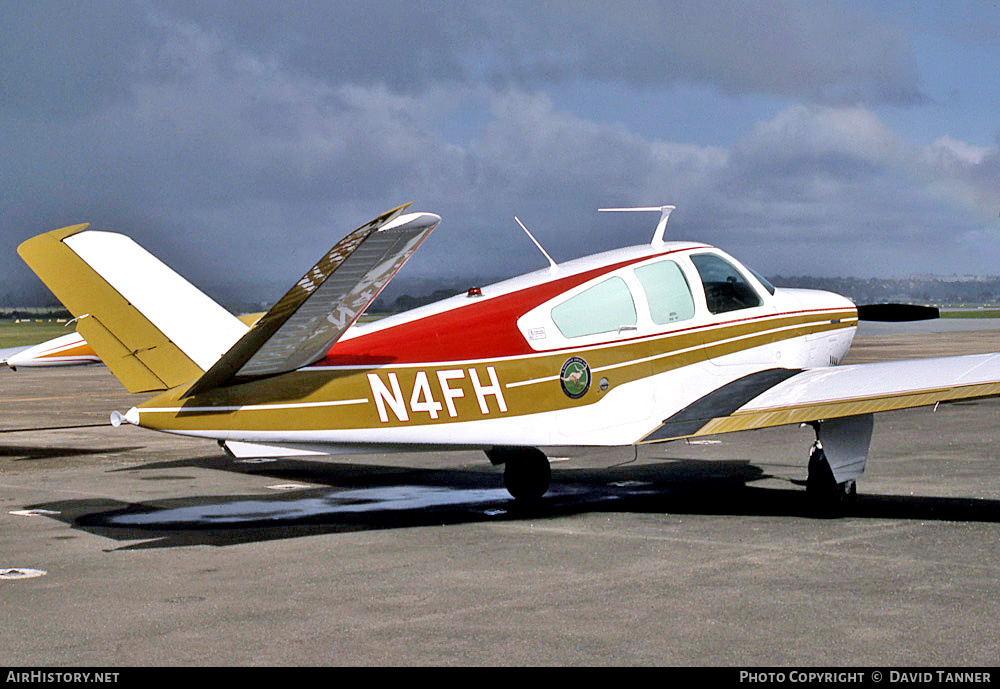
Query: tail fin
{"points": [[156, 331], [152, 328]]}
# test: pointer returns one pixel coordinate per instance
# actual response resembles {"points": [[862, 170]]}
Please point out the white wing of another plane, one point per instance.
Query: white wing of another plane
{"points": [[66, 350], [8, 352]]}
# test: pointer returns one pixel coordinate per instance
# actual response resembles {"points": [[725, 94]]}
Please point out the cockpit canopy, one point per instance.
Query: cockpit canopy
{"points": [[650, 296]]}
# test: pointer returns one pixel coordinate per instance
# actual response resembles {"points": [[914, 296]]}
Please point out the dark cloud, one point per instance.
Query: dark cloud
{"points": [[254, 135], [59, 60], [816, 50], [63, 57]]}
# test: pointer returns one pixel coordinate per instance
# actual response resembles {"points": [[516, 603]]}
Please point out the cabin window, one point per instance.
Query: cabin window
{"points": [[603, 308], [667, 292], [725, 287]]}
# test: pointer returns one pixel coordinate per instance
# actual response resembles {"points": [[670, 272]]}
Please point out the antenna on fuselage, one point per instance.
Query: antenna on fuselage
{"points": [[552, 264], [660, 226]]}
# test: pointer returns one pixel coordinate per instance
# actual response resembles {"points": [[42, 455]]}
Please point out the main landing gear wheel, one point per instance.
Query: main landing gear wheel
{"points": [[824, 492], [526, 474]]}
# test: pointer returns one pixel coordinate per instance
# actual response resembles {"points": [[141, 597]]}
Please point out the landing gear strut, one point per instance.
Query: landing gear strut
{"points": [[526, 474], [822, 488], [837, 460]]}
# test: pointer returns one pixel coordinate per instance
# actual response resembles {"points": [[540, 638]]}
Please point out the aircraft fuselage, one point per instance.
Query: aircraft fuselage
{"points": [[599, 352]]}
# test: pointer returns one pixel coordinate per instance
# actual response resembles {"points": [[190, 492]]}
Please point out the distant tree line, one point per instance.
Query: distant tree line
{"points": [[34, 312], [954, 291], [405, 302], [939, 290]]}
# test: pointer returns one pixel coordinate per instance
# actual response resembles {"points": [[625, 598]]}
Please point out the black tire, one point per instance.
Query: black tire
{"points": [[826, 495], [820, 484], [527, 474]]}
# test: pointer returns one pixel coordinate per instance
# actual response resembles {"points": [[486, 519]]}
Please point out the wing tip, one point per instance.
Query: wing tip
{"points": [[416, 221]]}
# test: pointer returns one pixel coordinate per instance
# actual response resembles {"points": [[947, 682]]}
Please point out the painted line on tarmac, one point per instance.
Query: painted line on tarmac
{"points": [[65, 397]]}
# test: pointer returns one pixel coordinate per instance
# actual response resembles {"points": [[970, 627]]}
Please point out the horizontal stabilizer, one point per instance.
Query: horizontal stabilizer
{"points": [[301, 327]]}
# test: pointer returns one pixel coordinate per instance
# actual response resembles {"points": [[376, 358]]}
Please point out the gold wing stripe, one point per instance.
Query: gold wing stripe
{"points": [[779, 416], [838, 392]]}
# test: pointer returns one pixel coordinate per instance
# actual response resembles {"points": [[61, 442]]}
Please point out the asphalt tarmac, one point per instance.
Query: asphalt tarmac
{"points": [[160, 550]]}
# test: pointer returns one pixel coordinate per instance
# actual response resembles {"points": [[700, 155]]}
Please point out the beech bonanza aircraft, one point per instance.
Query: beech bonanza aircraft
{"points": [[640, 345]]}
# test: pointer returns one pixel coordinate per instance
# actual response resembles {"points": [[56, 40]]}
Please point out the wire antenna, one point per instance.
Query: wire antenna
{"points": [[552, 264]]}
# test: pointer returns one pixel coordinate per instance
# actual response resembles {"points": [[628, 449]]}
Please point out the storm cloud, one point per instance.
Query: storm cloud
{"points": [[239, 141]]}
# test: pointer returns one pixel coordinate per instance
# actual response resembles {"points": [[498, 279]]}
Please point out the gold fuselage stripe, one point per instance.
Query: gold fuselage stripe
{"points": [[346, 397]]}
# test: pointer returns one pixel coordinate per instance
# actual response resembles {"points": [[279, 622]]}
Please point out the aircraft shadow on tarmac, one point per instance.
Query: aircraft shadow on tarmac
{"points": [[353, 497], [20, 453]]}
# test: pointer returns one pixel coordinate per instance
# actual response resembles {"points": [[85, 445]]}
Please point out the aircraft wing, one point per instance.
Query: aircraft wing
{"points": [[8, 352], [779, 396], [301, 327], [66, 350]]}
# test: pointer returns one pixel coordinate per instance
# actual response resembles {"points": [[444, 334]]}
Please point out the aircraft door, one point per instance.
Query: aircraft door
{"points": [[605, 386], [673, 342], [736, 332]]}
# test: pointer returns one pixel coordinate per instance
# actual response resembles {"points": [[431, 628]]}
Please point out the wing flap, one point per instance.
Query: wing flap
{"points": [[842, 391], [302, 326]]}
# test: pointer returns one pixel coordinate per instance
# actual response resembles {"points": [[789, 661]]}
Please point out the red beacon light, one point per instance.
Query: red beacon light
{"points": [[475, 292]]}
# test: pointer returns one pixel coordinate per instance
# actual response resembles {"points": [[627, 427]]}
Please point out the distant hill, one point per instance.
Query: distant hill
{"points": [[405, 294], [923, 289]]}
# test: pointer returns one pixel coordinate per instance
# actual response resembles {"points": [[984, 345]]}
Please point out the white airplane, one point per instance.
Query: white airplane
{"points": [[66, 350], [646, 344]]}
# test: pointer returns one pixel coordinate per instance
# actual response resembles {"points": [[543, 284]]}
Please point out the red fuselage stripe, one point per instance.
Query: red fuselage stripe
{"points": [[482, 329]]}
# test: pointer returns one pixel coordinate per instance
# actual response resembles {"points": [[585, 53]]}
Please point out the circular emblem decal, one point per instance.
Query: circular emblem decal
{"points": [[575, 377]]}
